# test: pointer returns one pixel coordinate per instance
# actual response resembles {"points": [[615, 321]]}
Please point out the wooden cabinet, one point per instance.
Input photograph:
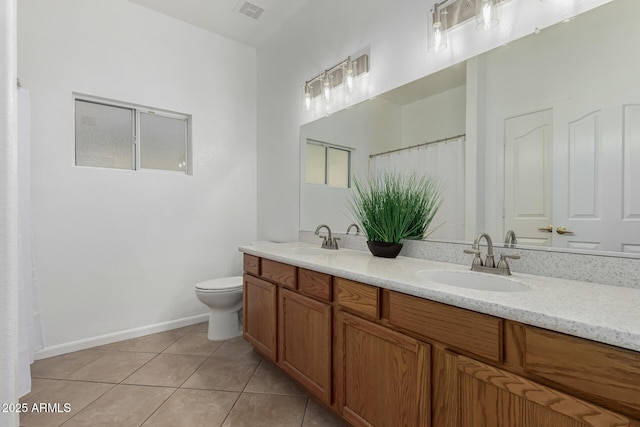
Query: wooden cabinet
{"points": [[467, 330], [304, 337], [601, 372], [382, 376], [260, 315], [382, 358], [483, 395]]}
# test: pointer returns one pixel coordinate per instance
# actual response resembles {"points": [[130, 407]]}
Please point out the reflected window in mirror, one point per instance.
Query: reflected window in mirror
{"points": [[328, 164]]}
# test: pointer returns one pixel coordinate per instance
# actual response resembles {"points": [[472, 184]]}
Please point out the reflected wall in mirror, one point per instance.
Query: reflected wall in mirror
{"points": [[552, 124]]}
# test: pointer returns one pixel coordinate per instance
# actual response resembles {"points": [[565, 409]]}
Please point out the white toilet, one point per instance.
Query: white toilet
{"points": [[224, 298]]}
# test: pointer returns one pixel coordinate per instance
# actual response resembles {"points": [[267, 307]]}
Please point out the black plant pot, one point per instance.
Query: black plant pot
{"points": [[384, 249]]}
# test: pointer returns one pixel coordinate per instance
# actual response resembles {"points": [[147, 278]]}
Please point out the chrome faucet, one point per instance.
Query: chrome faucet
{"points": [[489, 265], [328, 242], [510, 238], [353, 225]]}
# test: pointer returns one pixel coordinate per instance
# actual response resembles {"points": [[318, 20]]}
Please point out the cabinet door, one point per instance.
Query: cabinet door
{"points": [[382, 377], [491, 397], [260, 315], [305, 342]]}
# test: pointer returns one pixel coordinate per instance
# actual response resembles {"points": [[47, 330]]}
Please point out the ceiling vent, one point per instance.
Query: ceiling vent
{"points": [[249, 9]]}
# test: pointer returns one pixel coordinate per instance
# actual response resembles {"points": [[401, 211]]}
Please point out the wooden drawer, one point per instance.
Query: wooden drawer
{"points": [[463, 329], [277, 272], [252, 264], [599, 370], [357, 297], [314, 284]]}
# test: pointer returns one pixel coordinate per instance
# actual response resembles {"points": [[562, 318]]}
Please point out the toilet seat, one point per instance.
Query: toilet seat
{"points": [[223, 284]]}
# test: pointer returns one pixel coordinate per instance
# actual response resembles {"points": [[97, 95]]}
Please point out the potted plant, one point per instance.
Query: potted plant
{"points": [[392, 206]]}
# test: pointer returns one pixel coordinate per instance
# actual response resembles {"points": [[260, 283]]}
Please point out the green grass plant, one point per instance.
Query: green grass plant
{"points": [[392, 206]]}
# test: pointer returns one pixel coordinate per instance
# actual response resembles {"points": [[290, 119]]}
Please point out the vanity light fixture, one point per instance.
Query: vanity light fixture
{"points": [[345, 74], [449, 13]]}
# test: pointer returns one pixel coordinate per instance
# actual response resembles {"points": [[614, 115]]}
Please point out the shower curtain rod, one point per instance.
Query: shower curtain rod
{"points": [[371, 156]]}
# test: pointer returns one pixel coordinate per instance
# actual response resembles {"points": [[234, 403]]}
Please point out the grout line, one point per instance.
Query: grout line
{"points": [[159, 406], [90, 403], [140, 367], [242, 392], [304, 414]]}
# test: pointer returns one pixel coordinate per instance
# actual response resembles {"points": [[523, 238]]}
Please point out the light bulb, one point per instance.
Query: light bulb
{"points": [[326, 88], [350, 81], [307, 97]]}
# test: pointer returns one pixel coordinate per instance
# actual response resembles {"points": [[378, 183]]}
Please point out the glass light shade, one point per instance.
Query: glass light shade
{"points": [[306, 103], [486, 14], [326, 87], [349, 76], [437, 34]]}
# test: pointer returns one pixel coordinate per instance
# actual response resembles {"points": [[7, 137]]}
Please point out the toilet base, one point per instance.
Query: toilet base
{"points": [[224, 325]]}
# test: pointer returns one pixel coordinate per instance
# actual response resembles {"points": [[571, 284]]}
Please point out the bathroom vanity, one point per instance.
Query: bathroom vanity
{"points": [[380, 345]]}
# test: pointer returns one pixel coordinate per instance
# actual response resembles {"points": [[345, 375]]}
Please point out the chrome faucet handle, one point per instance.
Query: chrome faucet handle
{"points": [[334, 244], [504, 265], [476, 260]]}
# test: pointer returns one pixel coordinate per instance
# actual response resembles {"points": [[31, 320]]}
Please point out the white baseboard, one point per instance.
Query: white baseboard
{"points": [[86, 343]]}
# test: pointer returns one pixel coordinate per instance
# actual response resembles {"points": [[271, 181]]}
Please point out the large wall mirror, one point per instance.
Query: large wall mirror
{"points": [[540, 136]]}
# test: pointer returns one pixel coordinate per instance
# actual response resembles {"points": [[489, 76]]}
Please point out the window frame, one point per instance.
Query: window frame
{"points": [[326, 147], [137, 138]]}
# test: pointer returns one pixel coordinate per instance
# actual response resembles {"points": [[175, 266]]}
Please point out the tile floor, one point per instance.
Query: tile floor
{"points": [[175, 378]]}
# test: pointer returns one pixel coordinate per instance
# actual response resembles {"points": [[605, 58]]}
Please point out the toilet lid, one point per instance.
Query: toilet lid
{"points": [[221, 284]]}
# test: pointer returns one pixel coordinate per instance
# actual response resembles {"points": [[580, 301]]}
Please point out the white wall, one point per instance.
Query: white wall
{"points": [[323, 33], [439, 116], [116, 250], [8, 214]]}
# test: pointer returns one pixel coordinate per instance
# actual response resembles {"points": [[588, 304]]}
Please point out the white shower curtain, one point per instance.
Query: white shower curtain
{"points": [[29, 326], [444, 161]]}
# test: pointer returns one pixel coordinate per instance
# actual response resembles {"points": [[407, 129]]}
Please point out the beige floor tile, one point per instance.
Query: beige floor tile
{"points": [[39, 384], [201, 327], [112, 367], [318, 416], [193, 408], [154, 343], [195, 343], [184, 329], [269, 379], [122, 406], [222, 373], [258, 410], [239, 348], [76, 394], [61, 367], [168, 370]]}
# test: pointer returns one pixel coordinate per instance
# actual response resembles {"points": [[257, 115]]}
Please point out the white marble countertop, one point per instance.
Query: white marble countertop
{"points": [[608, 314]]}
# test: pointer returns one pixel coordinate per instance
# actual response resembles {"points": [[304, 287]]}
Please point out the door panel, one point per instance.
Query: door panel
{"points": [[528, 176], [383, 376]]}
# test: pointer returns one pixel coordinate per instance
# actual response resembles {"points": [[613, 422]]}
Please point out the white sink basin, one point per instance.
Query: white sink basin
{"points": [[473, 280], [310, 251]]}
